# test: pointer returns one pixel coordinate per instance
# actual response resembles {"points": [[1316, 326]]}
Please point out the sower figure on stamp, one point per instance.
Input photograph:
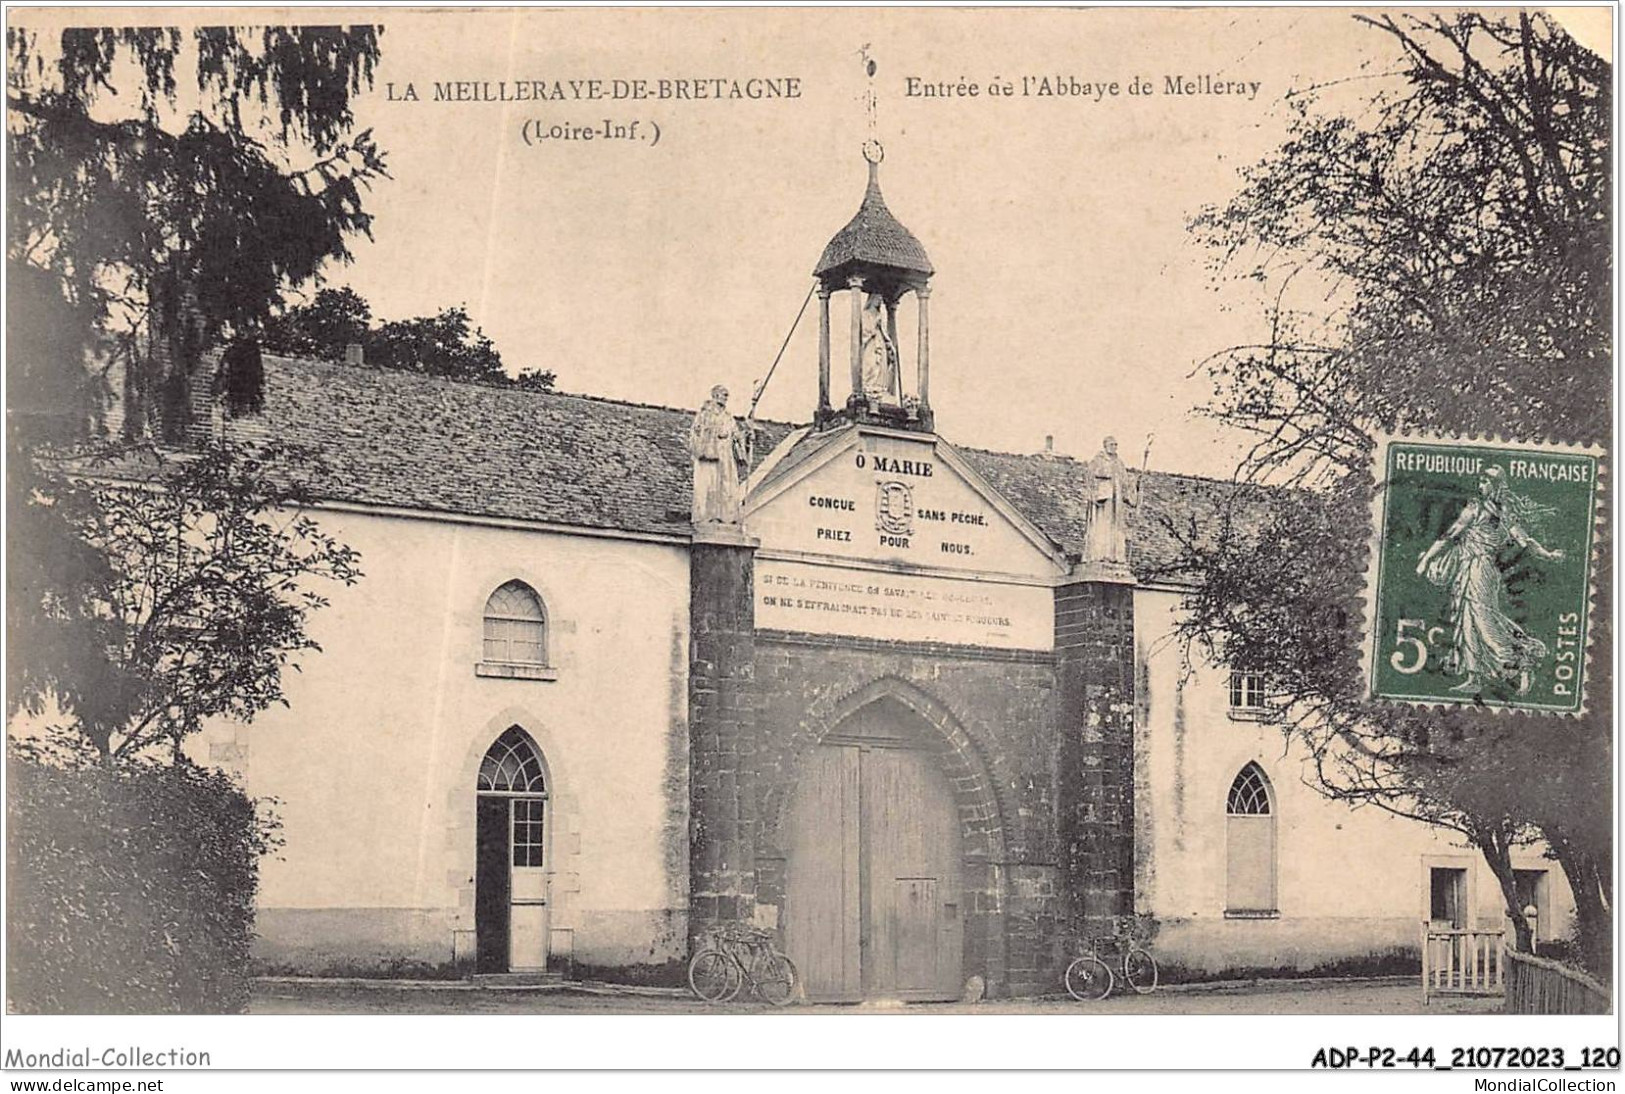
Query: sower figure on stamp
{"points": [[1116, 495], [1486, 644], [718, 446]]}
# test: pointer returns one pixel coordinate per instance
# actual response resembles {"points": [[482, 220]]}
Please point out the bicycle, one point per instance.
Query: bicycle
{"points": [[735, 955], [1089, 977]]}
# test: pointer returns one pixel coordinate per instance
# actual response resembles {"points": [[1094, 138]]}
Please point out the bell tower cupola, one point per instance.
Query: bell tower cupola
{"points": [[883, 268]]}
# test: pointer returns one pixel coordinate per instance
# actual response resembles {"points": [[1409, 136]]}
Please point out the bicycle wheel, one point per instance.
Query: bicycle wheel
{"points": [[1140, 970], [715, 976], [776, 979], [1088, 978]]}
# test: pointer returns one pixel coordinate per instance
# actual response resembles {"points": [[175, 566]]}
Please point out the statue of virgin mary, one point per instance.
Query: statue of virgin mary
{"points": [[877, 352]]}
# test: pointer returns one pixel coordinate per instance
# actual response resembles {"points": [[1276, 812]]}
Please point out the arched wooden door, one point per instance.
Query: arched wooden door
{"points": [[873, 892]]}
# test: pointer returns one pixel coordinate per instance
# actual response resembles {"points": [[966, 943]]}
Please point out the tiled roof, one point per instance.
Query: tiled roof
{"points": [[405, 440], [807, 446], [401, 439], [1054, 491], [874, 236]]}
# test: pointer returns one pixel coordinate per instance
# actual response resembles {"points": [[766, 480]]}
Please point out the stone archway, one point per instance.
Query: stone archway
{"points": [[930, 862]]}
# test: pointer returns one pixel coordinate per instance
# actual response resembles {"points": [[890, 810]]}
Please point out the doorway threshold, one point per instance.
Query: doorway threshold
{"points": [[882, 1004], [536, 979]]}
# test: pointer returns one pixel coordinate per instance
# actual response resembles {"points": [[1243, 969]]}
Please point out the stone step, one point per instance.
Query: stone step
{"points": [[517, 979]]}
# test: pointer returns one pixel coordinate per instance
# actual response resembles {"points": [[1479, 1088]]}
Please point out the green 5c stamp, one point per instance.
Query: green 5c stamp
{"points": [[1481, 584]]}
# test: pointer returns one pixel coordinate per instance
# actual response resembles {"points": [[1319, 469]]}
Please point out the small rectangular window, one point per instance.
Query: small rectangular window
{"points": [[515, 641], [1247, 694], [1447, 897], [527, 832]]}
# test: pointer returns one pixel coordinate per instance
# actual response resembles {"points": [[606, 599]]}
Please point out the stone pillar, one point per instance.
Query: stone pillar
{"points": [[721, 730], [823, 353], [855, 284], [922, 355], [1094, 667]]}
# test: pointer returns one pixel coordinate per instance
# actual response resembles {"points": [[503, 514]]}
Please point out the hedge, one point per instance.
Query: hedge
{"points": [[130, 891]]}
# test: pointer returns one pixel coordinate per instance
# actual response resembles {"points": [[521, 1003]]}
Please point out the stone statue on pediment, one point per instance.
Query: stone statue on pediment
{"points": [[1115, 496], [717, 446]]}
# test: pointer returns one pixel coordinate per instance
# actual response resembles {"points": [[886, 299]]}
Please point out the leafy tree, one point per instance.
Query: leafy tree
{"points": [[438, 345], [211, 565], [146, 227], [51, 574], [534, 379], [446, 344], [1436, 257], [335, 319], [165, 189], [171, 221], [1450, 246]]}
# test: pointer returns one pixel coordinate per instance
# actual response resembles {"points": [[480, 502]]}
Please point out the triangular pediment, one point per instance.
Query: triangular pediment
{"points": [[868, 495]]}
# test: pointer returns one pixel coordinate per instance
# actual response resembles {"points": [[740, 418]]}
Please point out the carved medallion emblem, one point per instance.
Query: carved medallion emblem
{"points": [[894, 508]]}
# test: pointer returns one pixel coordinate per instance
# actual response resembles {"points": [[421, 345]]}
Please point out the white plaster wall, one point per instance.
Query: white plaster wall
{"points": [[375, 757], [1348, 879]]}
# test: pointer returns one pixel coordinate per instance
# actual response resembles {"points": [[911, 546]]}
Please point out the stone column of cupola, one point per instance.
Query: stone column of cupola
{"points": [[823, 353], [891, 326], [855, 285], [922, 354]]}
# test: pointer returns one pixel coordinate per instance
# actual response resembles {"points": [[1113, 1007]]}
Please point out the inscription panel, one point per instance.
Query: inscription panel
{"points": [[893, 499], [800, 596]]}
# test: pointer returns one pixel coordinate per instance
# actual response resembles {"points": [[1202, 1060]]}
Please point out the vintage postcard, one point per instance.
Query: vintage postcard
{"points": [[849, 512]]}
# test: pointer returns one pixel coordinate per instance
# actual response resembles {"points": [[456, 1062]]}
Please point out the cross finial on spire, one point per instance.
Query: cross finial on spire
{"points": [[873, 150]]}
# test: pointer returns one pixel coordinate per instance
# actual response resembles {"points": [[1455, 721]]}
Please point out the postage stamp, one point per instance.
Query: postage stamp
{"points": [[1481, 577]]}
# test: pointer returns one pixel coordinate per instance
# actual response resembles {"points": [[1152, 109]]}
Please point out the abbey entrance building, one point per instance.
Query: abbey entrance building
{"points": [[618, 674]]}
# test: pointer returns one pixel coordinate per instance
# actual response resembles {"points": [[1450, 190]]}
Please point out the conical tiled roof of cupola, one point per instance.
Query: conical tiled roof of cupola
{"points": [[874, 237]]}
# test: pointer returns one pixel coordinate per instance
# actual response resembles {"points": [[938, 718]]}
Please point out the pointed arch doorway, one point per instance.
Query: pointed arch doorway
{"points": [[510, 865], [873, 891]]}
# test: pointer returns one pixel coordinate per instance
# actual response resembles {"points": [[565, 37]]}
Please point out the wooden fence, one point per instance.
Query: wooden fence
{"points": [[1536, 985], [1462, 961]]}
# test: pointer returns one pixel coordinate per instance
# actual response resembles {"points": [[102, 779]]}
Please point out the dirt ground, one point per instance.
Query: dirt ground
{"points": [[1386, 996]]}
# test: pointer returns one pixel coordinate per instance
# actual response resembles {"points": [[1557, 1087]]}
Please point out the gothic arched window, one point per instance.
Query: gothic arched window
{"points": [[515, 626], [510, 830], [1250, 844], [1249, 794], [512, 765]]}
